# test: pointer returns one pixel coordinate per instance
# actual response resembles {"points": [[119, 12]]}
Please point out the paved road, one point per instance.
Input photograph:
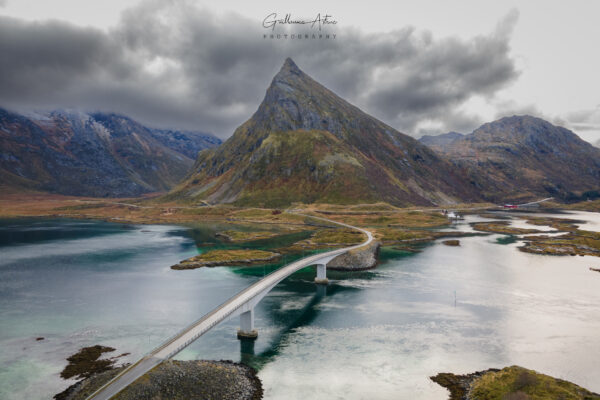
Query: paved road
{"points": [[181, 340], [535, 202]]}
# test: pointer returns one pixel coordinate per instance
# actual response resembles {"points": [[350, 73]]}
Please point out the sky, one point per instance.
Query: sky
{"points": [[423, 67]]}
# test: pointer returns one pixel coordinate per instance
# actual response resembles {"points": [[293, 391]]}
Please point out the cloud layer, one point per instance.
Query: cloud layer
{"points": [[171, 64]]}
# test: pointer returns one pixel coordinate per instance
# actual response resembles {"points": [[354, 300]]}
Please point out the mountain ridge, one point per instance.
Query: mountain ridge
{"points": [[95, 154], [522, 157]]}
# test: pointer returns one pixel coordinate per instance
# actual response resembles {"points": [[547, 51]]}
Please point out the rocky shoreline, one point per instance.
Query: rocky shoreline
{"points": [[360, 259], [458, 385], [179, 380]]}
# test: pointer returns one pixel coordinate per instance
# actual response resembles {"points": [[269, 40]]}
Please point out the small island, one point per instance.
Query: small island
{"points": [[510, 383], [215, 258], [452, 242], [577, 242]]}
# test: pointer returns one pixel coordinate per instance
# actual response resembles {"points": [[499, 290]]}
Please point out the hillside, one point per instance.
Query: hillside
{"points": [[101, 155], [304, 143], [523, 157]]}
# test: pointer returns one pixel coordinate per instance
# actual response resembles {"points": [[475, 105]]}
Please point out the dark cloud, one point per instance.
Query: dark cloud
{"points": [[172, 64], [585, 120], [586, 123], [508, 108]]}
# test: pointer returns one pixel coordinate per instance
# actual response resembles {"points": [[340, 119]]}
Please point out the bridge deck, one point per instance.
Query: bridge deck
{"points": [[182, 339]]}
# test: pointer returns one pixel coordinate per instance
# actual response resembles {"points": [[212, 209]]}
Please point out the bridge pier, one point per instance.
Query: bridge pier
{"points": [[321, 274], [247, 330]]}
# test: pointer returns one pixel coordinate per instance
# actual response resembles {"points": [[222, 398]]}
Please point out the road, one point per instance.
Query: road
{"points": [[535, 202], [182, 339]]}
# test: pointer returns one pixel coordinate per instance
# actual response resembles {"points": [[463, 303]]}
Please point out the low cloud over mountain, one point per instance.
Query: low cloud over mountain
{"points": [[174, 64]]}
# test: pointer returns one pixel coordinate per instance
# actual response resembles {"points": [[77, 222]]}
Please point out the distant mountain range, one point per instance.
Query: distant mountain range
{"points": [[303, 144], [522, 157], [95, 154], [306, 144]]}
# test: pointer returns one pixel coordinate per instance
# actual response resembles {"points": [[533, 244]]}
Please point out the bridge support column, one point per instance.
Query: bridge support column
{"points": [[247, 330], [321, 274]]}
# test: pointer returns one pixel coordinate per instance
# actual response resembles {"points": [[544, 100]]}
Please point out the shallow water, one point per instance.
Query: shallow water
{"points": [[374, 334]]}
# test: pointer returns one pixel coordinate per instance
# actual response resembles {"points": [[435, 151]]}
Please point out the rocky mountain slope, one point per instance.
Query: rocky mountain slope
{"points": [[102, 155], [522, 157], [304, 143]]}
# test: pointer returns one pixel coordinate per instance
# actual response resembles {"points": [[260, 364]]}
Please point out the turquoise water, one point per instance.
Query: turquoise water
{"points": [[373, 334]]}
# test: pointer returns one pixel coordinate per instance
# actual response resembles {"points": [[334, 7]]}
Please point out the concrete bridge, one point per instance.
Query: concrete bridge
{"points": [[242, 304]]}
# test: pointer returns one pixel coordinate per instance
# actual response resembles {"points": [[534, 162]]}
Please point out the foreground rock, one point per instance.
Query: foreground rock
{"points": [[179, 380], [358, 259], [215, 258], [510, 383], [458, 385]]}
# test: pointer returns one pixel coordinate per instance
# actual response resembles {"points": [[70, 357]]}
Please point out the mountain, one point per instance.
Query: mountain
{"points": [[306, 144], [523, 157], [101, 155], [439, 142]]}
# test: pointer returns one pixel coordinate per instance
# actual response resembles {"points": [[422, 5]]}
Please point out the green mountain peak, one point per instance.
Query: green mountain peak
{"points": [[305, 143]]}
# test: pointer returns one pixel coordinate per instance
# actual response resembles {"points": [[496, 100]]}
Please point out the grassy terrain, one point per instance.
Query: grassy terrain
{"points": [[398, 218], [240, 236], [502, 227], [327, 238], [517, 383], [591, 205], [560, 224], [214, 258], [577, 242], [392, 236], [391, 224], [338, 237], [573, 242]]}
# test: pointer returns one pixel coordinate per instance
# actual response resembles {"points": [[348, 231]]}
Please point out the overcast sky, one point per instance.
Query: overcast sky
{"points": [[421, 66]]}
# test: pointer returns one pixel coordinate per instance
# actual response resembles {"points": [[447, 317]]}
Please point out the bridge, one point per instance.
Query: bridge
{"points": [[241, 304]]}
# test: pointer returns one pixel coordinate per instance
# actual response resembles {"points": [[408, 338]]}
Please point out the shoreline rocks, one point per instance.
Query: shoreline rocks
{"points": [[179, 380], [87, 362], [359, 259], [458, 385]]}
